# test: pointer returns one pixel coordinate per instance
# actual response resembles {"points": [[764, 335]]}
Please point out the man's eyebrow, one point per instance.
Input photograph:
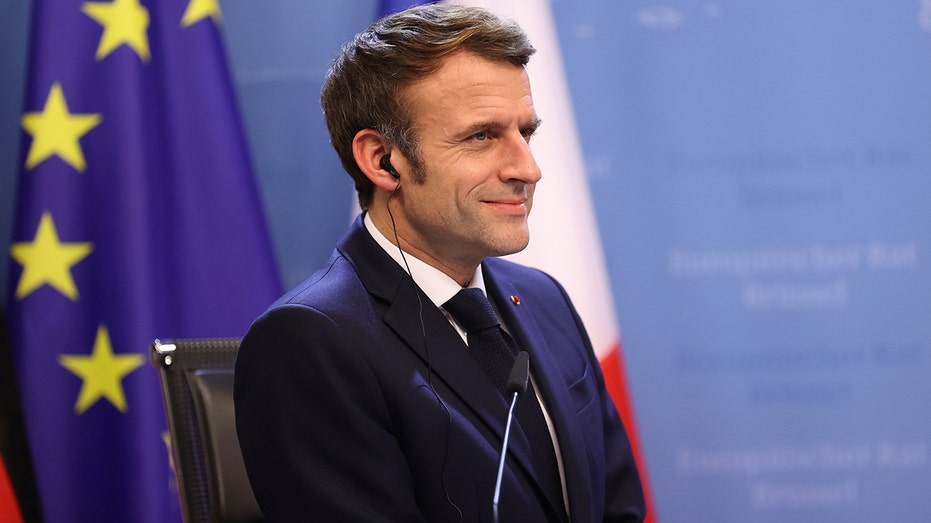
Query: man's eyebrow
{"points": [[483, 125], [494, 124]]}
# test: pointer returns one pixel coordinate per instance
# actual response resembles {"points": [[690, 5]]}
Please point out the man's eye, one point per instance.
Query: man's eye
{"points": [[480, 136]]}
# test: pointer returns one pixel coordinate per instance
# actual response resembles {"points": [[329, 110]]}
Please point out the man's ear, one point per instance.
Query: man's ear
{"points": [[368, 148]]}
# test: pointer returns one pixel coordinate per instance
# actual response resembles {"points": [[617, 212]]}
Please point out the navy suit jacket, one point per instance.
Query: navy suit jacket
{"points": [[356, 400]]}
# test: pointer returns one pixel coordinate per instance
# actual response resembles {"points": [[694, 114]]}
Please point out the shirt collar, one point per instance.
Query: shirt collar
{"points": [[434, 283]]}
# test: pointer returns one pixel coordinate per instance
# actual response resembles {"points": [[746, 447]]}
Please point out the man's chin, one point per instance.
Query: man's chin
{"points": [[512, 246]]}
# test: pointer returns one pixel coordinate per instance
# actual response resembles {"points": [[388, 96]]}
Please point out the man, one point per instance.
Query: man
{"points": [[367, 393]]}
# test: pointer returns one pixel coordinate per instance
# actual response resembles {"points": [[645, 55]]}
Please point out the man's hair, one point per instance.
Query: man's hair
{"points": [[364, 88]]}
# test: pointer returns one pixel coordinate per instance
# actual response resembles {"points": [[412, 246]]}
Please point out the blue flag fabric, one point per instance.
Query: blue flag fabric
{"points": [[137, 217]]}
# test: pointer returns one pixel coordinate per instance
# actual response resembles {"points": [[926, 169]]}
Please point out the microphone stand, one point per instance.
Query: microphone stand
{"points": [[517, 385]]}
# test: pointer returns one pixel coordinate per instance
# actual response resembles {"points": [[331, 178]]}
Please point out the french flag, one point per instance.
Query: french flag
{"points": [[9, 508]]}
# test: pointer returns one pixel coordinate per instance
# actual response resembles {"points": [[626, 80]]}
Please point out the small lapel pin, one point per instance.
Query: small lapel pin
{"points": [[515, 299]]}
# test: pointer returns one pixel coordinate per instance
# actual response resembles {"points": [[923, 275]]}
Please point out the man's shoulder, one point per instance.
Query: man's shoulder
{"points": [[524, 280], [332, 283], [517, 273]]}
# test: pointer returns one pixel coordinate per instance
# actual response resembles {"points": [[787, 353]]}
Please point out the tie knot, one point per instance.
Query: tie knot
{"points": [[472, 310]]}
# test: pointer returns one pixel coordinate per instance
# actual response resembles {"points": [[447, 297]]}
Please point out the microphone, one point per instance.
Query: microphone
{"points": [[517, 386]]}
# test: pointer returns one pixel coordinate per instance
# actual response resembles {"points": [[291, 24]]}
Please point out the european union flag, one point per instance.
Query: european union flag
{"points": [[137, 217]]}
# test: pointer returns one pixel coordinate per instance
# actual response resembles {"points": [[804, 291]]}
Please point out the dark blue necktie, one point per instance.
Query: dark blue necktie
{"points": [[495, 351]]}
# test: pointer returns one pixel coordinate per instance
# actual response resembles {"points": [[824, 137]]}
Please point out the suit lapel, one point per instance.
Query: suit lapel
{"points": [[439, 346], [550, 383], [435, 341]]}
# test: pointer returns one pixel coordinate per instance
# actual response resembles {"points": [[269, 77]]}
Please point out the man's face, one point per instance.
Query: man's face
{"points": [[473, 119]]}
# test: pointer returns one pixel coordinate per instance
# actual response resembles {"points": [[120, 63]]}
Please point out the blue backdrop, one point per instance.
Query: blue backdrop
{"points": [[761, 178]]}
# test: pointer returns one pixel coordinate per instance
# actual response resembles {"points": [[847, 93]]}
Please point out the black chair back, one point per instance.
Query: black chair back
{"points": [[197, 385]]}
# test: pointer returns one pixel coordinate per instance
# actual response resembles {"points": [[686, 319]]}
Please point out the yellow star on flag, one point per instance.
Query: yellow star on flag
{"points": [[197, 10], [57, 131], [46, 260], [102, 372], [124, 22]]}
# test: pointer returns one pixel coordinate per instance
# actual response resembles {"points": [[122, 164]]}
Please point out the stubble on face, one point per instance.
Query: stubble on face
{"points": [[473, 119]]}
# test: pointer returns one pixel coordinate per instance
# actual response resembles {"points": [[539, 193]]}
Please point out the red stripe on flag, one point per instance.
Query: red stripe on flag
{"points": [[9, 508], [612, 365]]}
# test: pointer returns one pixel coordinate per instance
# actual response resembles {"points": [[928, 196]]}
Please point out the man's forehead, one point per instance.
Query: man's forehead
{"points": [[467, 83]]}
